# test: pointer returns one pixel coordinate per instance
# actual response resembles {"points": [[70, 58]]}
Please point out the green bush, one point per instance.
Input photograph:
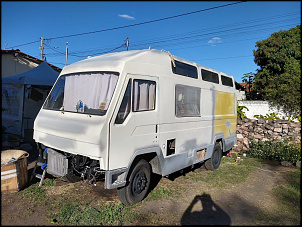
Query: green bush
{"points": [[279, 150], [271, 116], [274, 116], [240, 112]]}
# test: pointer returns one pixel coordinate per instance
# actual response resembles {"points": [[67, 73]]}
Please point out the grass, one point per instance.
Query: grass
{"points": [[162, 193], [84, 214], [227, 174], [288, 197], [72, 209], [35, 193]]}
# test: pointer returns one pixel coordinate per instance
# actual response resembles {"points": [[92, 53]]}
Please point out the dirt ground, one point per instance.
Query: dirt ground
{"points": [[236, 205]]}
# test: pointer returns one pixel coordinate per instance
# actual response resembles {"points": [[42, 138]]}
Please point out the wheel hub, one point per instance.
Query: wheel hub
{"points": [[139, 183]]}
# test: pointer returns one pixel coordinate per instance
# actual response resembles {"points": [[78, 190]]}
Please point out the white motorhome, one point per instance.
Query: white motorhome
{"points": [[125, 115]]}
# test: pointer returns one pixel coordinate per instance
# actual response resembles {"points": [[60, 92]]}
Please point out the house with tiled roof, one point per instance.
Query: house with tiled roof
{"points": [[22, 98], [240, 91], [14, 62]]}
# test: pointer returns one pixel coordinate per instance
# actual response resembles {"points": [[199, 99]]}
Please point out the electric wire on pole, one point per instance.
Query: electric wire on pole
{"points": [[127, 43], [66, 52]]}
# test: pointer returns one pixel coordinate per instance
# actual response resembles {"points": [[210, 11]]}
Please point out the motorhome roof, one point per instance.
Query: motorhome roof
{"points": [[111, 62], [115, 61]]}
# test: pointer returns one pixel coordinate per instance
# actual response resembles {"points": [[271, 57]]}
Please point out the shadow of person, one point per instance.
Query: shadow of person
{"points": [[209, 214]]}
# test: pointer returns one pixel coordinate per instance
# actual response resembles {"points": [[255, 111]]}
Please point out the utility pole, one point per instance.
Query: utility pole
{"points": [[66, 52], [41, 48], [127, 43]]}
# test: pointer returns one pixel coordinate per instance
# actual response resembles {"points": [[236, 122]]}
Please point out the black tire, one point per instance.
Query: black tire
{"points": [[214, 162], [137, 184]]}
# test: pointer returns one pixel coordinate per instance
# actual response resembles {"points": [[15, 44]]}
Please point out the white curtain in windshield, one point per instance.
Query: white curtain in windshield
{"points": [[94, 90]]}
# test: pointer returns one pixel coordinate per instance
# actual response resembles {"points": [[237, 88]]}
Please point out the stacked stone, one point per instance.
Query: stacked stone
{"points": [[263, 129]]}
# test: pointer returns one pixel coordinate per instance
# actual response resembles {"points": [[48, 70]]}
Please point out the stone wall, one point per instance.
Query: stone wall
{"points": [[262, 129]]}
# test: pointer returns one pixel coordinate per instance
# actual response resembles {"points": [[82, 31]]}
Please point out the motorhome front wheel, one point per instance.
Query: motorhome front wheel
{"points": [[138, 184]]}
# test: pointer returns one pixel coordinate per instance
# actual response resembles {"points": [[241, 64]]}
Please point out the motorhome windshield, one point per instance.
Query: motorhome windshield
{"points": [[88, 93]]}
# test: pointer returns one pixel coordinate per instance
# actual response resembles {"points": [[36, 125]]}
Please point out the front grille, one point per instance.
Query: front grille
{"points": [[57, 164]]}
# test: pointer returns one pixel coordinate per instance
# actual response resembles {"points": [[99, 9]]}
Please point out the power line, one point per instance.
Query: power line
{"points": [[132, 25], [184, 37], [204, 32], [148, 22], [24, 44], [244, 56], [125, 44]]}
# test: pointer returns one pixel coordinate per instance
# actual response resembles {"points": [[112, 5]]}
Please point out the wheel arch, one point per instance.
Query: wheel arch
{"points": [[152, 155]]}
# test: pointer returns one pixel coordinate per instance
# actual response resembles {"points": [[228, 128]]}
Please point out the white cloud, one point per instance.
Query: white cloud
{"points": [[214, 41], [126, 16]]}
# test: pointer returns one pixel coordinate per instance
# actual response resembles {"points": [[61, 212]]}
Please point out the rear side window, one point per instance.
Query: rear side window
{"points": [[184, 69], [187, 101], [227, 81], [209, 76]]}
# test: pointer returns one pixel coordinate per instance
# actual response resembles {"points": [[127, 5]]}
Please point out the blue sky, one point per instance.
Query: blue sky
{"points": [[221, 35]]}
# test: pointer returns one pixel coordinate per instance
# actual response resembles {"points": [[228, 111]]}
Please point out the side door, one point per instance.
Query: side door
{"points": [[134, 126]]}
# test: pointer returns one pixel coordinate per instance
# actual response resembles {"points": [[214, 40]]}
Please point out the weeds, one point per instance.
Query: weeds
{"points": [[161, 193], [279, 150], [83, 214], [34, 193]]}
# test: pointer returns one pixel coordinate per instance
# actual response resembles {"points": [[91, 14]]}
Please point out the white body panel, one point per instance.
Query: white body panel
{"points": [[116, 145]]}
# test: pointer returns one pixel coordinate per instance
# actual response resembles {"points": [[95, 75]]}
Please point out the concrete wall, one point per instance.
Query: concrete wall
{"points": [[259, 107]]}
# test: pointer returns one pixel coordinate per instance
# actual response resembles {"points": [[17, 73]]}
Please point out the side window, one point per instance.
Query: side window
{"points": [[227, 81], [184, 69], [187, 101], [209, 76], [143, 95], [125, 106]]}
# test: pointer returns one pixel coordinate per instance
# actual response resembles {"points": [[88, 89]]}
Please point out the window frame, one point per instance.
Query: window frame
{"points": [[180, 65], [215, 79], [133, 94], [225, 80], [62, 79], [119, 121], [197, 103]]}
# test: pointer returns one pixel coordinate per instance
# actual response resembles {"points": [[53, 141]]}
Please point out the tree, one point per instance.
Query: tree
{"points": [[248, 78], [279, 77]]}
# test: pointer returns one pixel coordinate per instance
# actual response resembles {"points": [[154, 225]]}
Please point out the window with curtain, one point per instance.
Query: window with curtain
{"points": [[187, 103], [89, 93], [143, 95]]}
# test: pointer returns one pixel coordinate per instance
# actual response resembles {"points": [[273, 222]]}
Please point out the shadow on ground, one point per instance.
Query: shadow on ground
{"points": [[210, 214]]}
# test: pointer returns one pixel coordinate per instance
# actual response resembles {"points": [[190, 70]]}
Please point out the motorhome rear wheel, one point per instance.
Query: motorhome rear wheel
{"points": [[214, 162]]}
